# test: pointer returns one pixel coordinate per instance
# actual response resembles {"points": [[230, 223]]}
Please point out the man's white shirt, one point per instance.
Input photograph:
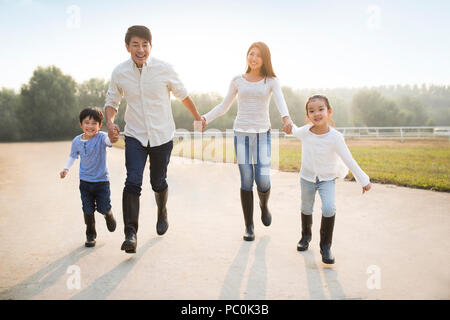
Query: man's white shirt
{"points": [[148, 116]]}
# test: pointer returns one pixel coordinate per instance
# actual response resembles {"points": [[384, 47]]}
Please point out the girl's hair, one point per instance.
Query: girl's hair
{"points": [[266, 69], [92, 113], [327, 103]]}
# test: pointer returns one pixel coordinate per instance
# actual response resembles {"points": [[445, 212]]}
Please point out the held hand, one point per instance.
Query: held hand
{"points": [[113, 132], [287, 128], [199, 125], [366, 188], [203, 123], [63, 173]]}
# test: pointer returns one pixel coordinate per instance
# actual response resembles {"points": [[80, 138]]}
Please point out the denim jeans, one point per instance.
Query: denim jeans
{"points": [[95, 196], [253, 152], [326, 192], [135, 159]]}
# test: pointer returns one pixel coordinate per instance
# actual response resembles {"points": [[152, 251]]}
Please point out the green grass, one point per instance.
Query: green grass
{"points": [[418, 164], [415, 163]]}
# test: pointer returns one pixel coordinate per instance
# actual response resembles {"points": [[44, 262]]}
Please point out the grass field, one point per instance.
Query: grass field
{"points": [[417, 163]]}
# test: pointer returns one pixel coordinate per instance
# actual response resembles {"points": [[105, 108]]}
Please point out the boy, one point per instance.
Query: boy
{"points": [[94, 177]]}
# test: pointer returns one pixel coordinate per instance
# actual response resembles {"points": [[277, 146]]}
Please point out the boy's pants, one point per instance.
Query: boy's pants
{"points": [[95, 196], [135, 159], [326, 192]]}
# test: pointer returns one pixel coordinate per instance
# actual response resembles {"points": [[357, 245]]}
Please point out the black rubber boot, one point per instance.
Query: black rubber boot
{"points": [[247, 208], [110, 221], [91, 234], [266, 217], [326, 237], [130, 207], [303, 244], [162, 224]]}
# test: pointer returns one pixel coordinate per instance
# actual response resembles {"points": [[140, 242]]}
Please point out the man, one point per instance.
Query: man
{"points": [[149, 127]]}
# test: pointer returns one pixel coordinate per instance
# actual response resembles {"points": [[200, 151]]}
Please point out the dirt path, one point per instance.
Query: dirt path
{"points": [[393, 238]]}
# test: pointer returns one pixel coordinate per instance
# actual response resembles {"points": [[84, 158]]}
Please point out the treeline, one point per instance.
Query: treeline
{"points": [[47, 107]]}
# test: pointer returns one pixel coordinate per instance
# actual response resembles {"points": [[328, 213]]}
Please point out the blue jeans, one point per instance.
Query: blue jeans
{"points": [[135, 159], [253, 152], [95, 196], [326, 192]]}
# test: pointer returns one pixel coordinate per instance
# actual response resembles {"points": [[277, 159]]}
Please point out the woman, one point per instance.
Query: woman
{"points": [[252, 139]]}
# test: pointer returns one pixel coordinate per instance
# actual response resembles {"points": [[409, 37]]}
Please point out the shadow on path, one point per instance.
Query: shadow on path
{"points": [[46, 277], [257, 280], [235, 275], [315, 286], [334, 286], [101, 288]]}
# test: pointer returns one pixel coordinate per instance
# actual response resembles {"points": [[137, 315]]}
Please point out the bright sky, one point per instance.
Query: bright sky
{"points": [[314, 44]]}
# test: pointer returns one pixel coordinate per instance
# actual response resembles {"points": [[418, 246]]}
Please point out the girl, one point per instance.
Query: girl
{"points": [[252, 140], [323, 149]]}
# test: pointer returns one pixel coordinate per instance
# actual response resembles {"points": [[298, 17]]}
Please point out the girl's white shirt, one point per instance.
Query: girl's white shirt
{"points": [[326, 156], [253, 104]]}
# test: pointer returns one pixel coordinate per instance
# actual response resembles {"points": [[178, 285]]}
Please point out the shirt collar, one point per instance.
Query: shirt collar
{"points": [[147, 63]]}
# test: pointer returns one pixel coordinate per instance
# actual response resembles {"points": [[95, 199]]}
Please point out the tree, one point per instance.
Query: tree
{"points": [[9, 102], [371, 109], [414, 113], [92, 93], [48, 108]]}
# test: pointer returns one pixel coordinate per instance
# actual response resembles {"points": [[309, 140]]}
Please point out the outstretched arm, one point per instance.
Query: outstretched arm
{"points": [[223, 107], [190, 105], [361, 177], [113, 97], [282, 107]]}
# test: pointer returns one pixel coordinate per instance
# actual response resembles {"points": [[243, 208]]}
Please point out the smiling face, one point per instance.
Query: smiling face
{"points": [[318, 112], [254, 59], [90, 127], [139, 49]]}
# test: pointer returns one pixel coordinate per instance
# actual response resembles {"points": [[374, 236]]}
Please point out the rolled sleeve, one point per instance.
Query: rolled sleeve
{"points": [[175, 85], [114, 94]]}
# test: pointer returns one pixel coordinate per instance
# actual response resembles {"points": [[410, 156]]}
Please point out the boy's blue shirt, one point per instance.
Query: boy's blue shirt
{"points": [[92, 154]]}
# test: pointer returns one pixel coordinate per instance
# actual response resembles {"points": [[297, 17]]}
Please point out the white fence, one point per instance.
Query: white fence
{"points": [[401, 132], [352, 132]]}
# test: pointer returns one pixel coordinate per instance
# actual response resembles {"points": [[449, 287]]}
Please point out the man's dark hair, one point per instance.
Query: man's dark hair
{"points": [[139, 31], [92, 113]]}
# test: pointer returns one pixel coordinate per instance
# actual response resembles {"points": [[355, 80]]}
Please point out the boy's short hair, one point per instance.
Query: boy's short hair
{"points": [[92, 113], [139, 31]]}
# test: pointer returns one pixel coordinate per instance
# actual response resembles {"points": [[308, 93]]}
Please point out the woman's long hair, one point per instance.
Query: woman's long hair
{"points": [[266, 68]]}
